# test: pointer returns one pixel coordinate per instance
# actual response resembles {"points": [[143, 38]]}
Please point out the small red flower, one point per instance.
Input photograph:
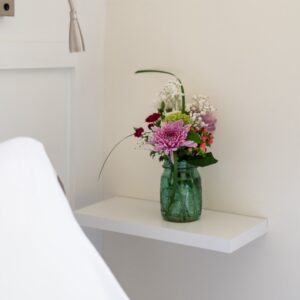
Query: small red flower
{"points": [[203, 139], [153, 118], [203, 147], [138, 132], [211, 141], [203, 130]]}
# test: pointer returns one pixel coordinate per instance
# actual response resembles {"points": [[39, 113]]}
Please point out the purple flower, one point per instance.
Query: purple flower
{"points": [[171, 136], [210, 122]]}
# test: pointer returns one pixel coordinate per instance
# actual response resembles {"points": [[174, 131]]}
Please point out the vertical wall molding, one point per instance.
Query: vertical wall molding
{"points": [[57, 65]]}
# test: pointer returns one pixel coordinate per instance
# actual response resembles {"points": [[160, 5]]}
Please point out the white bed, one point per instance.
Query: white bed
{"points": [[44, 255]]}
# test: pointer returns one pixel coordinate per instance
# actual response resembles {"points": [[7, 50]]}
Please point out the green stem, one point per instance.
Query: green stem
{"points": [[110, 152], [175, 176], [169, 73]]}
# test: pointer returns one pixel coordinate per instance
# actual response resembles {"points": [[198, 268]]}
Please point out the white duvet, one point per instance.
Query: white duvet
{"points": [[44, 255]]}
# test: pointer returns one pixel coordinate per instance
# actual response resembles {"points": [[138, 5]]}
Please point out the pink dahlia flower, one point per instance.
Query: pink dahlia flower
{"points": [[171, 136]]}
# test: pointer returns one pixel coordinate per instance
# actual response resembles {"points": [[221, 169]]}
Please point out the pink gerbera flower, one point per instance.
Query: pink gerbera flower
{"points": [[170, 137]]}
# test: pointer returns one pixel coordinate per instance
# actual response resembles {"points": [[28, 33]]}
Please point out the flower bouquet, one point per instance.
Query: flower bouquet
{"points": [[180, 134]]}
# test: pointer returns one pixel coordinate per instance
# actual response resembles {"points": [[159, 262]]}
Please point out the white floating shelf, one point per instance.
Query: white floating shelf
{"points": [[217, 231]]}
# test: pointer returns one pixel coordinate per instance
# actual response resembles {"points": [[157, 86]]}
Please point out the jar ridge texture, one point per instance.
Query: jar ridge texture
{"points": [[180, 193]]}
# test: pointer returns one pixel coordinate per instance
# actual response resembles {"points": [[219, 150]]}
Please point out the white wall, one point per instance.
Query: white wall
{"points": [[87, 108], [52, 95], [245, 55]]}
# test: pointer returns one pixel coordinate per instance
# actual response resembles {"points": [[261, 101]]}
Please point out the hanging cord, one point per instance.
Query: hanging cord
{"points": [[72, 6], [110, 152]]}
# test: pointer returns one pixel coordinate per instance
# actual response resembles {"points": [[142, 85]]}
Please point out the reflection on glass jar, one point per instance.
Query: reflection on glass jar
{"points": [[181, 193]]}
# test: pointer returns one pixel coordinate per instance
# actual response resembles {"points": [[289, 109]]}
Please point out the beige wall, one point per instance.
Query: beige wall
{"points": [[245, 55]]}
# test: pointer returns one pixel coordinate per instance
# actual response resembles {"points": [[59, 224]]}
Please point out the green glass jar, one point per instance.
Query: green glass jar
{"points": [[181, 193]]}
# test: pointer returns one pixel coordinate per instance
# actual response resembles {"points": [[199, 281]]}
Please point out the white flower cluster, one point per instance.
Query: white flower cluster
{"points": [[199, 108], [170, 96]]}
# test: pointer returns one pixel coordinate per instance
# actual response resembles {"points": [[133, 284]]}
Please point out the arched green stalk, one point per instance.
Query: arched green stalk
{"points": [[168, 73], [110, 152]]}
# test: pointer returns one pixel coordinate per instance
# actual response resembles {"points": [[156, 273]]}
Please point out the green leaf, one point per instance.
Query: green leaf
{"points": [[152, 154], [162, 107], [194, 137], [203, 161], [181, 152], [162, 158]]}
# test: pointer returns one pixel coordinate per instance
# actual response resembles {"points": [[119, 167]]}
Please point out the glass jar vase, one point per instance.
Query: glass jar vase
{"points": [[180, 193]]}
